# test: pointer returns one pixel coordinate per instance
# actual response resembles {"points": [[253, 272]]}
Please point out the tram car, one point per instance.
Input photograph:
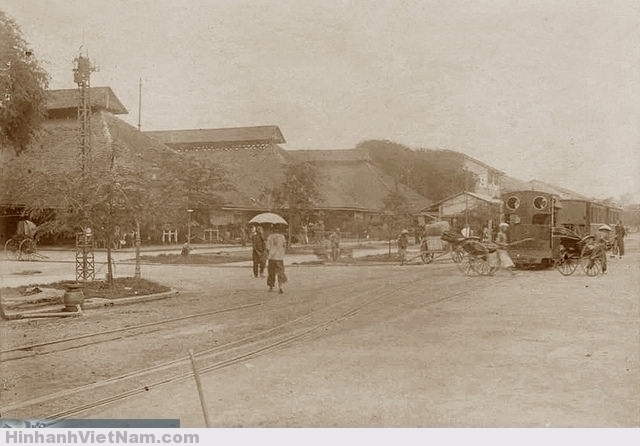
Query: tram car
{"points": [[531, 215], [585, 217]]}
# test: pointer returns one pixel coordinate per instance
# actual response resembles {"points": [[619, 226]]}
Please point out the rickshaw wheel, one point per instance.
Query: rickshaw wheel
{"points": [[593, 267], [482, 267], [11, 249], [457, 254], [591, 264], [467, 265], [567, 265], [427, 257], [27, 249]]}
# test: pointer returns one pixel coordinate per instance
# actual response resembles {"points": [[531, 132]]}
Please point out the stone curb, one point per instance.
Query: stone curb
{"points": [[101, 302]]}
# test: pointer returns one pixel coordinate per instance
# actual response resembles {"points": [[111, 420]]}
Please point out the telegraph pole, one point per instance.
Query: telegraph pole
{"points": [[140, 104]]}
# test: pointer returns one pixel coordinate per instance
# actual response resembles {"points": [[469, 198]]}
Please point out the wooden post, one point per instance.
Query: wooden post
{"points": [[205, 412]]}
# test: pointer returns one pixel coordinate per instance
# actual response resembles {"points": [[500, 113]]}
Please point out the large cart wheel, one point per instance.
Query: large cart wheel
{"points": [[11, 249], [457, 254], [27, 249]]}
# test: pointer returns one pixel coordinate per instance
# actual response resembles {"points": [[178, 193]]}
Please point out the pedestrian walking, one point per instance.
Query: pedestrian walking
{"points": [[259, 251], [504, 259], [334, 238], [620, 235], [403, 244], [276, 246], [602, 241]]}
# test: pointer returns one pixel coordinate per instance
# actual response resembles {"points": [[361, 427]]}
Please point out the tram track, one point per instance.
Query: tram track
{"points": [[29, 347], [225, 355]]}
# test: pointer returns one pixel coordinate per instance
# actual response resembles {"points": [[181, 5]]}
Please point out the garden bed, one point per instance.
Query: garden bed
{"points": [[52, 294]]}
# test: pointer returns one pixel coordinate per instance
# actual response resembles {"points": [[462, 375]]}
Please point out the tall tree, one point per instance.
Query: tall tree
{"points": [[23, 84], [298, 194]]}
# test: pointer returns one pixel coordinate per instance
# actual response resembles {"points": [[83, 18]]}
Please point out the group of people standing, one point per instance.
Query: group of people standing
{"points": [[271, 250]]}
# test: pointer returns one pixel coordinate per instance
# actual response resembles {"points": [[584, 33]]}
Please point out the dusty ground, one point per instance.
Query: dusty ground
{"points": [[392, 346]]}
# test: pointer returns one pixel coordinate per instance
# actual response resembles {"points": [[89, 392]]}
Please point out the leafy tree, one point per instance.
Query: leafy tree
{"points": [[396, 214], [23, 84], [196, 183], [298, 194]]}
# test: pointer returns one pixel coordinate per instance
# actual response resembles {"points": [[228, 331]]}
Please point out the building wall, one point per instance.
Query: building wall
{"points": [[488, 179]]}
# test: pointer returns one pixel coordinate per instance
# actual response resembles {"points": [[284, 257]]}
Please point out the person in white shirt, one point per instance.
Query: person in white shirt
{"points": [[276, 246]]}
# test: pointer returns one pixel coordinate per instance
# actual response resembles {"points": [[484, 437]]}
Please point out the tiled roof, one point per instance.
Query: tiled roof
{"points": [[251, 172], [511, 184], [57, 152], [474, 195], [348, 180], [214, 138], [563, 193], [101, 97]]}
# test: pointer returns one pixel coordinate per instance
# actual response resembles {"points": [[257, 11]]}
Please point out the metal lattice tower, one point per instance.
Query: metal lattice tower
{"points": [[85, 258], [82, 76]]}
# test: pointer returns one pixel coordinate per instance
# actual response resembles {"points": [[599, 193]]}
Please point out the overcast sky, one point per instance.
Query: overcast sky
{"points": [[539, 89]]}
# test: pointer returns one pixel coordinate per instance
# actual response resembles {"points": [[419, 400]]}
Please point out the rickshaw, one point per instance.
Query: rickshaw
{"points": [[476, 257], [23, 245], [578, 250]]}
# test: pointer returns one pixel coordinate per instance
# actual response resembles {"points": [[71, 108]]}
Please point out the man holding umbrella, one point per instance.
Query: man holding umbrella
{"points": [[276, 245]]}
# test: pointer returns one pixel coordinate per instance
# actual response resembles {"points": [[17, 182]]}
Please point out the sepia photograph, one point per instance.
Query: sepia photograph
{"points": [[319, 214]]}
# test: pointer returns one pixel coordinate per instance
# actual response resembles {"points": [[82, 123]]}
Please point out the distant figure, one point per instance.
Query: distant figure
{"points": [[319, 231], [305, 234], [335, 245], [403, 244], [259, 251], [486, 235], [276, 246], [502, 242], [620, 235], [603, 239]]}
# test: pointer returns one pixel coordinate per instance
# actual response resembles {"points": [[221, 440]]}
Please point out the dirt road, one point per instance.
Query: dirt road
{"points": [[352, 346]]}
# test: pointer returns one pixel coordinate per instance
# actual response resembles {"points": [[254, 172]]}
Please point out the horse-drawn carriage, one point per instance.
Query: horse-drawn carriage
{"points": [[23, 245]]}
